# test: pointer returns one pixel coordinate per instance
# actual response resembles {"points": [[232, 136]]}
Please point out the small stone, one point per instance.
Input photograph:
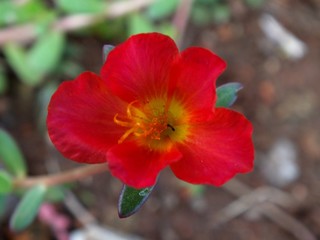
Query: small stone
{"points": [[280, 167]]}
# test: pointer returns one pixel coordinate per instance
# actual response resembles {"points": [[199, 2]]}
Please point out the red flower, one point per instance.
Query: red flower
{"points": [[152, 107]]}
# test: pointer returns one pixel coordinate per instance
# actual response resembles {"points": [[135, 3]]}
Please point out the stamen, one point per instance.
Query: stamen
{"points": [[145, 122], [121, 123]]}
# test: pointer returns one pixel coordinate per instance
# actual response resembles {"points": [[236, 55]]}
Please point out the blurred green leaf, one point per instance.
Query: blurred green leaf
{"points": [[221, 13], [139, 24], [131, 200], [227, 94], [43, 98], [13, 12], [200, 15], [167, 29], [44, 22], [7, 12], [43, 57], [11, 156], [17, 59], [3, 205], [55, 194], [255, 3], [46, 53], [162, 9], [3, 81], [76, 6], [5, 182], [30, 10], [206, 2], [27, 208]]}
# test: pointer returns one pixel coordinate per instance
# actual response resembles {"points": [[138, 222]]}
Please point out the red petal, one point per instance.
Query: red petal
{"points": [[138, 166], [217, 150], [80, 119], [194, 76], [139, 67]]}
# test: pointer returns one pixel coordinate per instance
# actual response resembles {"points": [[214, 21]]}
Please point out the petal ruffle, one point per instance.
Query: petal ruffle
{"points": [[194, 76], [217, 150], [80, 119], [138, 68], [138, 166]]}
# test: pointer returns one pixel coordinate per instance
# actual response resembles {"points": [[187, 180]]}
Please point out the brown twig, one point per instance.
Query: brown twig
{"points": [[63, 177], [28, 32], [263, 200], [286, 221]]}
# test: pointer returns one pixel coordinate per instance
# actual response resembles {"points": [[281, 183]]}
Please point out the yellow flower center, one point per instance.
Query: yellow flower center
{"points": [[156, 123]]}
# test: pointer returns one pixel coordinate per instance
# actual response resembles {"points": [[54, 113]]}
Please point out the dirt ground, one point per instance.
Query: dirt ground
{"points": [[281, 98]]}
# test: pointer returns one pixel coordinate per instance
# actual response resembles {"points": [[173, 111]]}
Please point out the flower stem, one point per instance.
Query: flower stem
{"points": [[60, 178]]}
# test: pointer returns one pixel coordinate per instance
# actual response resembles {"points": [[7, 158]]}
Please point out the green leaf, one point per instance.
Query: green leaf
{"points": [[168, 29], [105, 51], [131, 200], [7, 12], [162, 9], [27, 208], [55, 194], [3, 206], [11, 156], [227, 94], [76, 6], [46, 53], [5, 182], [17, 59], [139, 24], [3, 81], [30, 10]]}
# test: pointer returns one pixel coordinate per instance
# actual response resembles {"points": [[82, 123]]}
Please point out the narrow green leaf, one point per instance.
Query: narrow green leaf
{"points": [[131, 200], [76, 6], [11, 156], [227, 94], [105, 51], [3, 81], [17, 59], [27, 208], [5, 182], [162, 9], [46, 53]]}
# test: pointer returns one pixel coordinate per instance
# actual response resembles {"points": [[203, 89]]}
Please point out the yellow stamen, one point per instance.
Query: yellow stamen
{"points": [[142, 122]]}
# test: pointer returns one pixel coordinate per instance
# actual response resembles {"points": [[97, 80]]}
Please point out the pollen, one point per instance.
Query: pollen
{"points": [[143, 122], [155, 123]]}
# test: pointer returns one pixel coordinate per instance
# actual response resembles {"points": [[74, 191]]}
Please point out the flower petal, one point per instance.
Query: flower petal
{"points": [[217, 150], [194, 76], [80, 119], [138, 68], [138, 166]]}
